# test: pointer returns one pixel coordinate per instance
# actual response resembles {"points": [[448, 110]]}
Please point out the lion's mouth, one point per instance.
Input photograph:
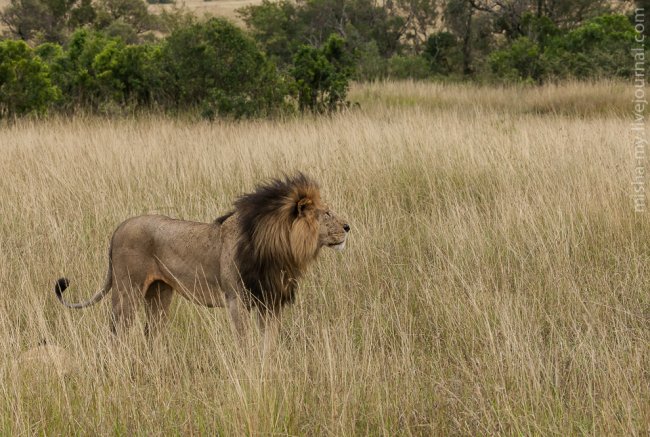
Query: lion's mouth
{"points": [[337, 246]]}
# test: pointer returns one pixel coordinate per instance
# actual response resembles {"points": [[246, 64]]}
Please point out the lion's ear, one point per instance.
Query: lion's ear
{"points": [[305, 204]]}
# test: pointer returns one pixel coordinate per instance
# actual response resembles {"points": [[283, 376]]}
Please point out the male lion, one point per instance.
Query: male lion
{"points": [[247, 259]]}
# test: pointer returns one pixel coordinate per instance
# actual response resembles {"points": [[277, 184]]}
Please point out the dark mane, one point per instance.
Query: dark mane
{"points": [[268, 266], [223, 218]]}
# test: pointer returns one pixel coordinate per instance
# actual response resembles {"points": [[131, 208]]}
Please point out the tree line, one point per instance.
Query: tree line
{"points": [[487, 40], [114, 56]]}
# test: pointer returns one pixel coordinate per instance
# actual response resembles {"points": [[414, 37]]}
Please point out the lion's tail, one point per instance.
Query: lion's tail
{"points": [[63, 283]]}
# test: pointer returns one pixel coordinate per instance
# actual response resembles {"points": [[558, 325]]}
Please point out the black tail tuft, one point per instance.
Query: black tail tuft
{"points": [[60, 287]]}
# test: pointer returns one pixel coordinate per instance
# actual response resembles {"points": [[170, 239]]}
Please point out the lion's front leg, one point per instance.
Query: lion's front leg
{"points": [[238, 313], [269, 323]]}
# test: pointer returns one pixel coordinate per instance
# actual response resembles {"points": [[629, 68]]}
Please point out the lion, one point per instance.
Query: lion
{"points": [[248, 259]]}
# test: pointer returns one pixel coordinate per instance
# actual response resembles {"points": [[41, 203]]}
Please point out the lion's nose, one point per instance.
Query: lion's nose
{"points": [[346, 227]]}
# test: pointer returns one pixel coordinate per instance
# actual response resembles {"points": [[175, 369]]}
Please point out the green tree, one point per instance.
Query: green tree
{"points": [[459, 15], [520, 61], [276, 27], [282, 28], [369, 21], [46, 20], [128, 75], [442, 52], [369, 64], [74, 70], [101, 73], [509, 16], [214, 65], [408, 67], [322, 76], [25, 85], [599, 48], [125, 13]]}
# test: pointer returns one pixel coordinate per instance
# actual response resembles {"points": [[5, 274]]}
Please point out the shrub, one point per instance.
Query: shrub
{"points": [[598, 48], [98, 72], [276, 27], [215, 66], [122, 30], [25, 86], [322, 76], [539, 29], [134, 13], [442, 52], [519, 62], [282, 27], [46, 20], [128, 75], [408, 67], [210, 66], [370, 64]]}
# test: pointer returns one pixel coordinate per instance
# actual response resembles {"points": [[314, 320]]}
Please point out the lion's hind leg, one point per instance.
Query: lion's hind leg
{"points": [[157, 297], [126, 297], [123, 309]]}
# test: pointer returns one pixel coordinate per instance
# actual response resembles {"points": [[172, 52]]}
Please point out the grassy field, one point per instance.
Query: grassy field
{"points": [[495, 280]]}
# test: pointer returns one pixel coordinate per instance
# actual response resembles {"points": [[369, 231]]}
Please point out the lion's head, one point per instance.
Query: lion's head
{"points": [[284, 224], [333, 230]]}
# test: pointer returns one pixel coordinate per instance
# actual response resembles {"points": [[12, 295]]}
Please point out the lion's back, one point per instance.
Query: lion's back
{"points": [[166, 238], [139, 231]]}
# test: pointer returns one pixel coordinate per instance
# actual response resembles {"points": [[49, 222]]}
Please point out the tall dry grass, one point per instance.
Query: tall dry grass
{"points": [[495, 282]]}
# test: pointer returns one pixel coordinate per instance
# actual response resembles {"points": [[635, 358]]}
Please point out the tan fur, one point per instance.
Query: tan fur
{"points": [[250, 258]]}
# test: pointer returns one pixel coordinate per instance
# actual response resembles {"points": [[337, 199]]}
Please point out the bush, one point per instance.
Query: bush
{"points": [[598, 48], [133, 13], [99, 73], [282, 27], [25, 85], [276, 27], [519, 62], [322, 76], [370, 64], [211, 66], [442, 52], [128, 75], [408, 67], [215, 66], [121, 30], [46, 20]]}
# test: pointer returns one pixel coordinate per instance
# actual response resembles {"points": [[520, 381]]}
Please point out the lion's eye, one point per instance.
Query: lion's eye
{"points": [[327, 214]]}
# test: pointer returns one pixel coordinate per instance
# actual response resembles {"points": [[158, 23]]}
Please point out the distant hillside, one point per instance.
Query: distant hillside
{"points": [[219, 8]]}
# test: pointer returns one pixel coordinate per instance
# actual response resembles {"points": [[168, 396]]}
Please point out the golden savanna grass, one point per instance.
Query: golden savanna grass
{"points": [[495, 280]]}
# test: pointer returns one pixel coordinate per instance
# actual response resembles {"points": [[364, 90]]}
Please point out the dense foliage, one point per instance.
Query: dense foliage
{"points": [[114, 56], [212, 67], [599, 48], [322, 75], [490, 40], [25, 85]]}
